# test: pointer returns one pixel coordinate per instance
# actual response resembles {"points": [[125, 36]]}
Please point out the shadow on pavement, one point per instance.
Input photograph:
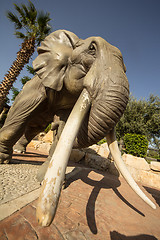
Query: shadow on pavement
{"points": [[117, 236], [31, 154], [104, 183], [17, 161], [28, 158], [155, 194]]}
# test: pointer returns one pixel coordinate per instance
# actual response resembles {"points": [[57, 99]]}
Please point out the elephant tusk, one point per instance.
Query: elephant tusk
{"points": [[111, 139], [52, 184]]}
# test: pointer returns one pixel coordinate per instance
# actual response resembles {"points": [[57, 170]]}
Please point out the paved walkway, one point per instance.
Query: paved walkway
{"points": [[94, 205]]}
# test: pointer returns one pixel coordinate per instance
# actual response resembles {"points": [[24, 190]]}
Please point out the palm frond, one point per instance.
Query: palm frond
{"points": [[25, 10], [43, 27], [30, 70], [18, 9], [33, 16], [34, 24], [20, 35], [43, 19], [13, 18], [25, 79], [15, 93], [31, 7], [21, 13], [47, 29]]}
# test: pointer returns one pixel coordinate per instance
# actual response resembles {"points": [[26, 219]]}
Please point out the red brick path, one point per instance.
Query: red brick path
{"points": [[94, 205]]}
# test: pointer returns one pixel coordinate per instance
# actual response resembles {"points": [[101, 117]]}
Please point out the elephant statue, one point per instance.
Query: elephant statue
{"points": [[83, 83]]}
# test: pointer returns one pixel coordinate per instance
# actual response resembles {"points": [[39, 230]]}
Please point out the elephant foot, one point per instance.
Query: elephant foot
{"points": [[19, 148], [5, 154], [42, 171], [5, 158]]}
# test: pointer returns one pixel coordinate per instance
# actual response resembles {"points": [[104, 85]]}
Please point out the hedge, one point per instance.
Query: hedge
{"points": [[136, 144]]}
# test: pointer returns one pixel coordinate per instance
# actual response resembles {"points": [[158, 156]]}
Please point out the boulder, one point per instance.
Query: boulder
{"points": [[97, 162], [155, 166], [76, 155], [41, 146], [44, 147], [136, 162], [150, 179], [48, 137], [40, 136], [92, 149], [104, 151], [33, 144]]}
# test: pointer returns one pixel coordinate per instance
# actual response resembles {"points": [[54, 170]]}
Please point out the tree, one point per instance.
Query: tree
{"points": [[141, 117], [23, 80], [34, 28]]}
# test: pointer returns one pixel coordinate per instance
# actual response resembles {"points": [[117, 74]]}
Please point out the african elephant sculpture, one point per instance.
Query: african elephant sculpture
{"points": [[69, 68]]}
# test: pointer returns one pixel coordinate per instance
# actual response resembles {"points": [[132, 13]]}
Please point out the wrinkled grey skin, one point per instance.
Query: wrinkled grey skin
{"points": [[66, 65]]}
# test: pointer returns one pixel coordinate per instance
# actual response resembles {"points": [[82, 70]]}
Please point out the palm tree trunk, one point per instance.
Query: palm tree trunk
{"points": [[23, 56]]}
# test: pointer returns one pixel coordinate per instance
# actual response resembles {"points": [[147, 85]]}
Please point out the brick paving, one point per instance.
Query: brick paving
{"points": [[94, 205]]}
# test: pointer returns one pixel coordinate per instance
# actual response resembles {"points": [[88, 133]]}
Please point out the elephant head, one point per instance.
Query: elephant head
{"points": [[96, 69]]}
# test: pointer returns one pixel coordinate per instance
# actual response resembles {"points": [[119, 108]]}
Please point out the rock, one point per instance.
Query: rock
{"points": [[97, 162], [33, 144], [40, 136], [155, 166], [76, 155], [136, 162], [92, 149], [104, 150], [48, 137], [41, 146], [101, 150], [44, 147], [150, 179]]}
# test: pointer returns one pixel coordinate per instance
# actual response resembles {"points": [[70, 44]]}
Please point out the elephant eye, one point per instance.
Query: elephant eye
{"points": [[92, 48]]}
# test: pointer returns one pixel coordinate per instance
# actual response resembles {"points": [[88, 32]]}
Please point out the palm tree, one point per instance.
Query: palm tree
{"points": [[23, 80], [34, 28]]}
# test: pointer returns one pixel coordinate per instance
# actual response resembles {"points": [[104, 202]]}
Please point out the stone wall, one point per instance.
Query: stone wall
{"points": [[99, 157]]}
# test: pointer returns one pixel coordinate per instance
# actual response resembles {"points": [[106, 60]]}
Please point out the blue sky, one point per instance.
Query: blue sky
{"points": [[132, 26]]}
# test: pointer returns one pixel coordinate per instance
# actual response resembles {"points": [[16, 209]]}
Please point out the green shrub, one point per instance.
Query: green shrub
{"points": [[102, 141], [48, 128], [136, 144]]}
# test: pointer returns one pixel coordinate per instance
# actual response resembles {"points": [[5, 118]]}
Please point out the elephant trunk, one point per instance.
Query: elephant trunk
{"points": [[107, 108], [52, 183]]}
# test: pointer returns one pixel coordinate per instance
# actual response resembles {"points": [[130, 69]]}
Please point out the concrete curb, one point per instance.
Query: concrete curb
{"points": [[15, 205]]}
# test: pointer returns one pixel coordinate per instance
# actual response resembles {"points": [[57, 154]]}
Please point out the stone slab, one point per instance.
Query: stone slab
{"points": [[136, 162], [155, 166]]}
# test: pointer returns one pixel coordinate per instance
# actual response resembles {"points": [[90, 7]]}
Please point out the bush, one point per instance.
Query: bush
{"points": [[136, 144], [102, 141], [48, 128]]}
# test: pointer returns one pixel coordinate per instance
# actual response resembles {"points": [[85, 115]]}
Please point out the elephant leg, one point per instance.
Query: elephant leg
{"points": [[20, 146], [41, 117], [57, 128], [32, 96], [29, 134]]}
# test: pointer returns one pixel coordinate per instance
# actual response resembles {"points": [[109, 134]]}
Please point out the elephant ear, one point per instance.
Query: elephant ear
{"points": [[52, 61]]}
